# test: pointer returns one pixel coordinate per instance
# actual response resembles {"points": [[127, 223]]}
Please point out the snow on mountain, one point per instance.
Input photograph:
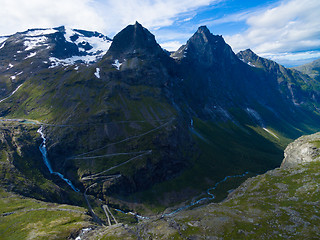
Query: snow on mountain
{"points": [[40, 32], [249, 63], [55, 62], [92, 47], [117, 64], [34, 42], [59, 46], [32, 54], [97, 73], [2, 41]]}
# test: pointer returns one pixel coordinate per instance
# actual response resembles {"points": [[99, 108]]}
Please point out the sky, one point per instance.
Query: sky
{"points": [[287, 31]]}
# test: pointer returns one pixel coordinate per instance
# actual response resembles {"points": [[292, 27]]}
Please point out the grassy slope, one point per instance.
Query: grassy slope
{"points": [[33, 219]]}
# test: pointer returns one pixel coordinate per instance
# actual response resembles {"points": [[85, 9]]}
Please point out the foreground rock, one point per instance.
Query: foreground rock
{"points": [[305, 149]]}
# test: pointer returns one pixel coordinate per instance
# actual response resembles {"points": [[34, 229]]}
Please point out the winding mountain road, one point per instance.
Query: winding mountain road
{"points": [[124, 140], [109, 169]]}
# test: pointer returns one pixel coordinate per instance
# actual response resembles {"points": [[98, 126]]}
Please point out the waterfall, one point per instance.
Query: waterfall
{"points": [[44, 153]]}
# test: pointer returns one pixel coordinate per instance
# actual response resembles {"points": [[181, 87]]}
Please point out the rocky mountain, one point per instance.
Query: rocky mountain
{"points": [[24, 54], [312, 69], [119, 126], [294, 85]]}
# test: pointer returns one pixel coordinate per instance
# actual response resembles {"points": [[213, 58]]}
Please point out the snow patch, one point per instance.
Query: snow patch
{"points": [[10, 66], [256, 116], [2, 45], [224, 113], [31, 55], [2, 39], [69, 33], [33, 42], [55, 62], [83, 231], [100, 48], [98, 44], [117, 64], [39, 32], [268, 131], [76, 68], [97, 73], [250, 64], [13, 77], [11, 93]]}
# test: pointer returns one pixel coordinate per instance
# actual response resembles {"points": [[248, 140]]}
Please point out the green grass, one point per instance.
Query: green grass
{"points": [[38, 220], [264, 194], [316, 143]]}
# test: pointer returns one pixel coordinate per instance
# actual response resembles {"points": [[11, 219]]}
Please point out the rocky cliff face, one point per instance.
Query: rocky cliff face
{"points": [[293, 85]]}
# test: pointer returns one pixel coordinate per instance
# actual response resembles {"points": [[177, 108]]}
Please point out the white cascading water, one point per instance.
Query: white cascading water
{"points": [[43, 150]]}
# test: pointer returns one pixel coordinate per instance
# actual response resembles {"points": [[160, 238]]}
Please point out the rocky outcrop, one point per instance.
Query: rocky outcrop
{"points": [[304, 149]]}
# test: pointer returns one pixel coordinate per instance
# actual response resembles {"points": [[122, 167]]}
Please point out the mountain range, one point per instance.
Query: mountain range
{"points": [[312, 69], [124, 124]]}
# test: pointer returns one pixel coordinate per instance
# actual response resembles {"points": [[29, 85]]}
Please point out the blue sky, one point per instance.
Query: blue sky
{"points": [[287, 31]]}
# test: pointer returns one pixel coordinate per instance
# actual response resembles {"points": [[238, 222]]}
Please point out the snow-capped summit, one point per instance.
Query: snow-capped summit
{"points": [[55, 46], [24, 54]]}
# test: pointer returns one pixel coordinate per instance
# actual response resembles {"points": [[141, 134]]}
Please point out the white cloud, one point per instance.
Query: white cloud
{"points": [[292, 26], [171, 46], [151, 14], [107, 16], [292, 59], [237, 17], [19, 15]]}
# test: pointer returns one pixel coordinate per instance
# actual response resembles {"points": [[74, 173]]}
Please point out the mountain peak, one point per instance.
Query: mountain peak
{"points": [[203, 30], [205, 48], [134, 39], [248, 56], [248, 52], [137, 24]]}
